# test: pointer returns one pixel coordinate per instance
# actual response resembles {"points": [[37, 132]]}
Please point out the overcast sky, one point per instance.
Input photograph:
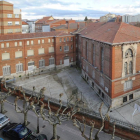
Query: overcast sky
{"points": [[76, 9]]}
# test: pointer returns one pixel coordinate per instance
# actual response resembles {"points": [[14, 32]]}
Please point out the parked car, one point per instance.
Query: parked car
{"points": [[41, 137], [16, 131], [4, 120]]}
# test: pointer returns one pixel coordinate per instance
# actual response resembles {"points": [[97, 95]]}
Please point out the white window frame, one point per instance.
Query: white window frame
{"points": [[9, 15], [7, 45], [28, 43], [49, 40], [16, 22], [52, 40], [128, 85], [43, 41], [19, 67], [38, 41], [20, 43], [9, 23], [66, 48], [16, 44], [16, 15], [32, 42], [10, 31], [2, 45], [6, 70], [41, 63], [51, 61]]}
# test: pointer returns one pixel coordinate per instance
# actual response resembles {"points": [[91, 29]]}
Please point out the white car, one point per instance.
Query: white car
{"points": [[4, 120]]}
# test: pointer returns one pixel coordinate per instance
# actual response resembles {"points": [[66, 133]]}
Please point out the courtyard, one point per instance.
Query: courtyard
{"points": [[68, 80]]}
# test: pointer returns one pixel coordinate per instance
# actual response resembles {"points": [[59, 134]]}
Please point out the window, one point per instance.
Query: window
{"points": [[42, 40], [16, 15], [71, 46], [9, 15], [60, 62], [41, 51], [15, 44], [130, 96], [5, 56], [128, 85], [66, 48], [32, 42], [124, 99], [93, 74], [102, 59], [30, 52], [17, 23], [102, 81], [38, 41], [10, 23], [125, 68], [10, 31], [20, 43], [52, 40], [60, 39], [2, 45], [130, 67], [7, 45], [18, 30], [31, 63], [64, 40], [51, 49], [6, 70], [71, 39], [67, 38], [128, 53], [51, 61], [27, 42], [49, 40], [72, 59], [102, 95], [60, 48], [41, 63], [19, 67], [18, 54]]}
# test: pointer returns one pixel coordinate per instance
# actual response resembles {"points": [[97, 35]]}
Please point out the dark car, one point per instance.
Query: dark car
{"points": [[41, 137], [16, 131]]}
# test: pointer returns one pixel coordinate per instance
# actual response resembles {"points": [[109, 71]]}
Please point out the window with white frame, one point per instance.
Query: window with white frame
{"points": [[60, 62], [60, 40], [49, 40], [93, 74], [42, 40], [32, 42], [16, 15], [31, 63], [7, 45], [60, 48], [10, 31], [67, 38], [5, 56], [52, 40], [41, 51], [6, 70], [9, 22], [41, 63], [17, 23], [27, 42], [2, 45], [51, 61], [102, 81], [51, 49], [38, 41], [18, 54], [30, 52], [66, 48], [20, 43], [64, 40], [15, 44], [128, 85], [19, 67], [9, 15]]}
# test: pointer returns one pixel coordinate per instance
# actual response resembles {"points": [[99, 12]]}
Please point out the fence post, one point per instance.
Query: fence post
{"points": [[106, 126]]}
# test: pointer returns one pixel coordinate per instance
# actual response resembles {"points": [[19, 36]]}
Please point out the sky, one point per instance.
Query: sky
{"points": [[75, 9]]}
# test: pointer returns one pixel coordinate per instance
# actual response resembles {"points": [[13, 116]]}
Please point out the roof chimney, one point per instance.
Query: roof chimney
{"points": [[77, 25]]}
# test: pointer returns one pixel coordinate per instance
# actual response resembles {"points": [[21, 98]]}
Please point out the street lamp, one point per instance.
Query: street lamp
{"points": [[25, 65]]}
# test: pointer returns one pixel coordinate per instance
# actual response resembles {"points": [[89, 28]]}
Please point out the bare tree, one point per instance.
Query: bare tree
{"points": [[3, 97], [28, 104], [56, 118]]}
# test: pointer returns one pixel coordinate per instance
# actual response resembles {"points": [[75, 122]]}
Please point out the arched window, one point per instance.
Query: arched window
{"points": [[130, 67], [128, 53], [125, 68]]}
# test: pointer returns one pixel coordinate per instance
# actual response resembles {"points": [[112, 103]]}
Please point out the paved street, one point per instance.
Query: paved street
{"points": [[65, 81], [66, 131]]}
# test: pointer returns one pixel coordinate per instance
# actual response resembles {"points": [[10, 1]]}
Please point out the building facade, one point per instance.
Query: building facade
{"points": [[131, 18], [107, 17], [26, 53], [10, 19], [109, 57]]}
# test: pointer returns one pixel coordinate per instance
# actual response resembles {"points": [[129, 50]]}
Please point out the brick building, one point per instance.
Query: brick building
{"points": [[109, 54], [33, 51], [10, 19]]}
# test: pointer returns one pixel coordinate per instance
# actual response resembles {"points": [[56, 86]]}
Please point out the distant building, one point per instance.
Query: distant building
{"points": [[131, 18], [31, 26], [107, 17], [25, 27], [11, 19]]}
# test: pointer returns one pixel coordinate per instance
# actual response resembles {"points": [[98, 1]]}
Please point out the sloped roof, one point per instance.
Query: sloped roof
{"points": [[32, 35], [111, 32], [24, 23], [43, 20]]}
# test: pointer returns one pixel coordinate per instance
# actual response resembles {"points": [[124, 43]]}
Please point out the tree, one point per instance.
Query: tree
{"points": [[79, 125], [56, 118], [28, 103], [86, 18]]}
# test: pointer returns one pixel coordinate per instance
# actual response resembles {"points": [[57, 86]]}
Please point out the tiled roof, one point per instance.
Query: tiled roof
{"points": [[112, 32], [24, 23], [43, 20], [54, 21], [32, 35]]}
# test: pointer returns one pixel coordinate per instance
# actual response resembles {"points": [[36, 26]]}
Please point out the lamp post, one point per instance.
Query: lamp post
{"points": [[25, 65]]}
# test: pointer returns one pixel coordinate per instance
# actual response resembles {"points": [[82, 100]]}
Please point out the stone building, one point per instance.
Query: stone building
{"points": [[10, 19], [109, 54], [107, 17]]}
